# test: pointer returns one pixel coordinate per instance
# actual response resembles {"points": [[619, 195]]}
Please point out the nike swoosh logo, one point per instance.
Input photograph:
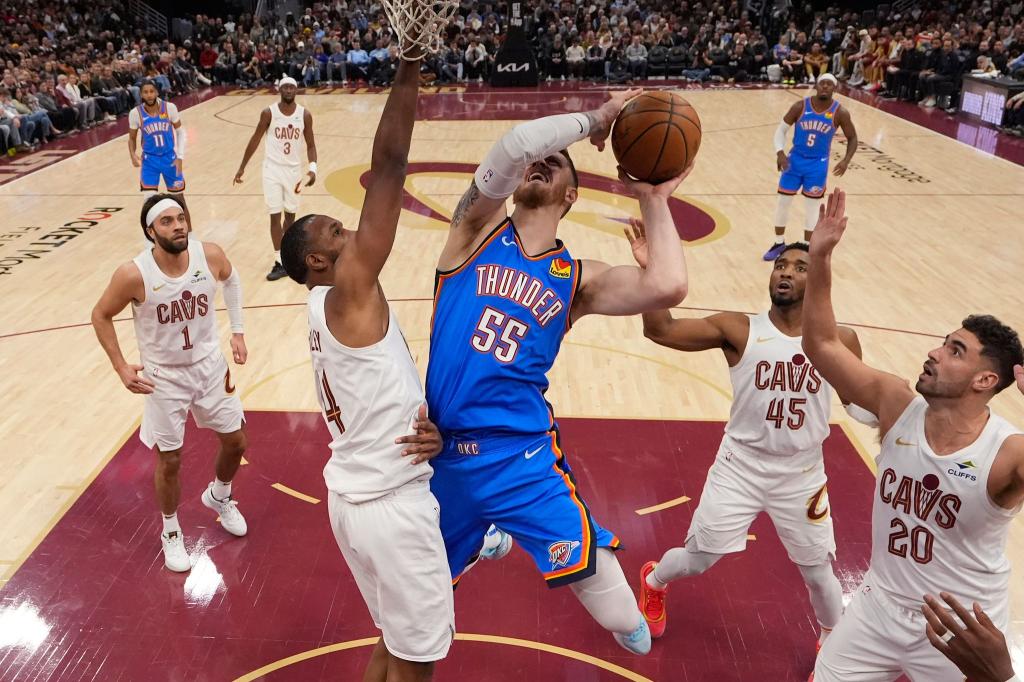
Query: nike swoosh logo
{"points": [[900, 441], [506, 242], [159, 287], [531, 453], [761, 339]]}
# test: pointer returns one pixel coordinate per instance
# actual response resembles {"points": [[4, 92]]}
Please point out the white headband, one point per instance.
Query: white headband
{"points": [[828, 77], [287, 80], [159, 207]]}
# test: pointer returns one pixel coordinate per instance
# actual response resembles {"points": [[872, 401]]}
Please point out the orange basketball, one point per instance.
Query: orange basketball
{"points": [[656, 136]]}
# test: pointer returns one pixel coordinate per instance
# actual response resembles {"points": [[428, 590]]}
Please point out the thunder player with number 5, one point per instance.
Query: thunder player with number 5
{"points": [[163, 141], [806, 166], [770, 458]]}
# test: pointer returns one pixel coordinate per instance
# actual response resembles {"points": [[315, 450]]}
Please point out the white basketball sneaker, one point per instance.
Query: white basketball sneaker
{"points": [[638, 641], [230, 517], [497, 543], [175, 556]]}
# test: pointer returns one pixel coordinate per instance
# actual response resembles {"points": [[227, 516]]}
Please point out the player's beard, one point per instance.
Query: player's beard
{"points": [[785, 300], [170, 246], [532, 195]]}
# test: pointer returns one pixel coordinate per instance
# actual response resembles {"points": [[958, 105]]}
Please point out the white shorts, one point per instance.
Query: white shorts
{"points": [[393, 547], [790, 489], [878, 640], [205, 389], [279, 187]]}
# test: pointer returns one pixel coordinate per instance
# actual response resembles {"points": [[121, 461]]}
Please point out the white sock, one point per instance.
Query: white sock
{"points": [[277, 257], [171, 523], [221, 490], [653, 582], [780, 239]]}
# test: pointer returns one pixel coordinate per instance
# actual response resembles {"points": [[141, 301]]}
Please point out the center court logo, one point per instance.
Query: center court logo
{"points": [[559, 552], [603, 205]]}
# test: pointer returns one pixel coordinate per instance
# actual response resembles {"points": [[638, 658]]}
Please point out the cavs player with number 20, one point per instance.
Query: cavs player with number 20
{"points": [[770, 459], [171, 288], [284, 126], [950, 480]]}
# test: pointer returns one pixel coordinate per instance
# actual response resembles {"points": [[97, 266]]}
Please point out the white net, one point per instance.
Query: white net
{"points": [[419, 24]]}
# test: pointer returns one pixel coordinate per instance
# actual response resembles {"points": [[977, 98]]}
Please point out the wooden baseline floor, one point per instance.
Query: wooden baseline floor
{"points": [[932, 238]]}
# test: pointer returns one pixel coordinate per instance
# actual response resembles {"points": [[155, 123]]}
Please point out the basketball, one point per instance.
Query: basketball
{"points": [[656, 136]]}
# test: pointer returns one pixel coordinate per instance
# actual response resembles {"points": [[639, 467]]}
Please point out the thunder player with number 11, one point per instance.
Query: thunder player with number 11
{"points": [[163, 141], [806, 166]]}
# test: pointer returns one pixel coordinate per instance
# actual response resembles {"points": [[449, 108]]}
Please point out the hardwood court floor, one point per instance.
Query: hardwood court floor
{"points": [[932, 237]]}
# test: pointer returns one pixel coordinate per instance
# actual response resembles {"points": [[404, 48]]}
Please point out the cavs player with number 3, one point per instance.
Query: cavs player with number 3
{"points": [[770, 459], [950, 480]]}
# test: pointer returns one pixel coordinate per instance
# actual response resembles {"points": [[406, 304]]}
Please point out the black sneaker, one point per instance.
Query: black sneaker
{"points": [[276, 272]]}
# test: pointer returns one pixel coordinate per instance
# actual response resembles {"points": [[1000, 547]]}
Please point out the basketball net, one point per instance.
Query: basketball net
{"points": [[419, 24]]}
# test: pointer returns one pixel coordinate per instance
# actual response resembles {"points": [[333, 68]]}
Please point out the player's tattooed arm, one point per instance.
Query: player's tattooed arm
{"points": [[465, 203]]}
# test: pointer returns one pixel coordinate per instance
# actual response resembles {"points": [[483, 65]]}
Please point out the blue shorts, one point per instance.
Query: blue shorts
{"points": [[811, 174], [524, 487], [155, 166]]}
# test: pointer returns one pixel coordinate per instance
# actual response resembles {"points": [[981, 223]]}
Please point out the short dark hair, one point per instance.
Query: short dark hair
{"points": [[999, 343], [295, 248], [149, 81], [152, 201], [797, 246]]}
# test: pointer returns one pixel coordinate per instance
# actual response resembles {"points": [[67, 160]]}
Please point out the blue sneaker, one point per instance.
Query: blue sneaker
{"points": [[774, 252], [497, 543], [638, 641]]}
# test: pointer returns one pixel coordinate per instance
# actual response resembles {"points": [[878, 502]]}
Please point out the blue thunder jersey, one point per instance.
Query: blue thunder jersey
{"points": [[814, 131], [157, 132], [498, 323]]}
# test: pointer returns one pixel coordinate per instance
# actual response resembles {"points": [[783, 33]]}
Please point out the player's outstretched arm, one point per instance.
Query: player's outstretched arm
{"points": [[501, 171], [880, 393], [781, 160], [134, 121], [228, 277], [254, 142], [845, 122], [378, 221], [721, 330], [125, 286], [630, 289]]}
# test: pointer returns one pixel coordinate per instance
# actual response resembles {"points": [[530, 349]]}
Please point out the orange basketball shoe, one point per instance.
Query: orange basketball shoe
{"points": [[652, 602]]}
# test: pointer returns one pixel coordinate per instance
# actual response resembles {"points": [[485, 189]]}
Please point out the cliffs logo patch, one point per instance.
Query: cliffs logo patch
{"points": [[962, 470], [560, 268], [559, 552]]}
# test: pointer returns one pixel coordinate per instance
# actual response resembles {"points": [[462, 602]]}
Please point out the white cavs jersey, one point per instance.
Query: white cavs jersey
{"points": [[370, 397], [780, 404], [176, 325], [934, 527], [283, 142]]}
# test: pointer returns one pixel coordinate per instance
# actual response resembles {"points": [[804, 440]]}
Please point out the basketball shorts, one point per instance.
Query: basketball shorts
{"points": [[811, 174], [393, 547], [205, 389], [155, 167], [791, 490], [279, 187], [524, 486], [878, 640]]}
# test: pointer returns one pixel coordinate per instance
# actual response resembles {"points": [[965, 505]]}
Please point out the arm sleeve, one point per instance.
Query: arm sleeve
{"points": [[501, 170], [172, 113], [179, 141], [780, 136], [134, 122], [233, 301]]}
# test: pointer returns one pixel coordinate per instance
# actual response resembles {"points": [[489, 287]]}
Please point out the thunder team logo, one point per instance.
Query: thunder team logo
{"points": [[559, 552]]}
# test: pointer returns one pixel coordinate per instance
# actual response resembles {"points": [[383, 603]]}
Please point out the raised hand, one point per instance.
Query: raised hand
{"points": [[645, 189], [831, 223], [637, 237], [604, 117]]}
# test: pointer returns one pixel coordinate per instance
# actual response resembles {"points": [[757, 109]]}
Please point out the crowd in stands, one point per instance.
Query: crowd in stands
{"points": [[72, 64]]}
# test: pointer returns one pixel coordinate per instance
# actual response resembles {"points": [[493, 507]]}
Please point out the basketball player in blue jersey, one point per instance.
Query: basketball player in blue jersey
{"points": [[806, 166], [506, 292], [163, 141]]}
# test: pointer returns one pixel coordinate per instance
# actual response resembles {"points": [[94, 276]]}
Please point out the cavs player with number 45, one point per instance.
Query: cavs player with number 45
{"points": [[950, 480], [770, 459]]}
